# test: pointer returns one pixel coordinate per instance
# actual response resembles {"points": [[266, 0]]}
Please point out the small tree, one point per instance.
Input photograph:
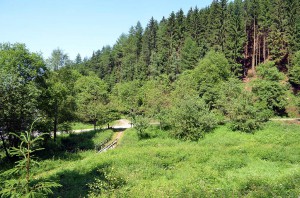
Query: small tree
{"points": [[242, 109], [190, 118], [141, 124], [127, 97], [294, 71], [269, 71], [25, 185], [190, 54], [92, 99]]}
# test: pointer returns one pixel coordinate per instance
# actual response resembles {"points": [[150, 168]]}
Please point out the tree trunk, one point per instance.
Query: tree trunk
{"points": [[95, 123], [245, 59], [55, 120], [259, 51], [107, 125], [254, 48], [264, 47]]}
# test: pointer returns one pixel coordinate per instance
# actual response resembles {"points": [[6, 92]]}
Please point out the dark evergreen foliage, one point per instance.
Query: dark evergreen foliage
{"points": [[248, 32]]}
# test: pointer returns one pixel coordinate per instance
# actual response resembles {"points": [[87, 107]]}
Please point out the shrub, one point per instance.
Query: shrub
{"points": [[191, 118], [272, 93], [106, 183], [65, 127], [294, 71], [141, 124], [247, 116], [245, 113], [268, 71]]}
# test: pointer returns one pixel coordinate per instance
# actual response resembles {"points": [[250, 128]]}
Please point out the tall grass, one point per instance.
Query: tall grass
{"points": [[223, 164]]}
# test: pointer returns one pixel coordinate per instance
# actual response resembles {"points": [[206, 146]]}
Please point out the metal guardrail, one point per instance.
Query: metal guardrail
{"points": [[109, 146], [102, 144]]}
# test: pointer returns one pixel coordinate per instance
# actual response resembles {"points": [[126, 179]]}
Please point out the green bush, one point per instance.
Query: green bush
{"points": [[191, 118], [106, 183], [269, 71], [141, 124], [244, 112], [273, 94], [65, 127], [294, 71]]}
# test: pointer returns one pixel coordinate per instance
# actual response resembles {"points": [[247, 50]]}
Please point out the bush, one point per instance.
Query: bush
{"points": [[106, 183], [65, 127], [247, 116], [294, 71], [244, 112], [268, 71], [141, 124], [272, 93], [191, 118]]}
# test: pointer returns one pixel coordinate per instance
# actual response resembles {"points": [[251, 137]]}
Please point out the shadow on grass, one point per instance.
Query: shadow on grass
{"points": [[66, 147], [118, 129], [75, 184]]}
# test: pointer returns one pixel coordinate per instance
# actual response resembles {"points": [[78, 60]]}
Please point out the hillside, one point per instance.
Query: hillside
{"points": [[200, 89]]}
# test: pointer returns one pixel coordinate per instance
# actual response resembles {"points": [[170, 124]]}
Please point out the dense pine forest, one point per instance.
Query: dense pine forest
{"points": [[248, 33], [186, 79]]}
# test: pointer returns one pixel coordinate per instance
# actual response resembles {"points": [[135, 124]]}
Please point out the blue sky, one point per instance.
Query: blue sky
{"points": [[79, 26]]}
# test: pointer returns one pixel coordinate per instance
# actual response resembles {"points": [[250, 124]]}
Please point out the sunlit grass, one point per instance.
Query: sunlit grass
{"points": [[223, 164], [81, 126]]}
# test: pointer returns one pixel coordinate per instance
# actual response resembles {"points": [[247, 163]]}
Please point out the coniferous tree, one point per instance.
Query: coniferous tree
{"points": [[214, 25], [163, 47], [236, 37], [190, 55], [149, 41], [78, 59], [180, 30]]}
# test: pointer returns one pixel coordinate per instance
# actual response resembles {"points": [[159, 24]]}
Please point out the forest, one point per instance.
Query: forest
{"points": [[202, 90]]}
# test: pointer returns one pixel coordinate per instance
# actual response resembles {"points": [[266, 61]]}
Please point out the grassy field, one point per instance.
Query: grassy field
{"points": [[223, 164], [80, 126]]}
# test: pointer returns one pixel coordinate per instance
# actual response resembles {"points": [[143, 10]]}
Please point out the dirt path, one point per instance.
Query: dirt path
{"points": [[122, 124], [287, 120], [119, 134]]}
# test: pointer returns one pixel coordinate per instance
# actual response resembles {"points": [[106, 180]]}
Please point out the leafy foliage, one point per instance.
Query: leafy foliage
{"points": [[22, 76], [127, 97], [212, 70], [141, 124], [92, 98], [191, 119], [245, 113], [106, 184], [271, 93], [268, 71]]}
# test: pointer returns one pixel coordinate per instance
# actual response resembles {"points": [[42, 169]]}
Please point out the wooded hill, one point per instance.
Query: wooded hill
{"points": [[186, 61], [227, 67], [248, 32]]}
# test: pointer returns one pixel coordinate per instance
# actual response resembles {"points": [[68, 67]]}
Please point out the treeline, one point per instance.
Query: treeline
{"points": [[248, 32]]}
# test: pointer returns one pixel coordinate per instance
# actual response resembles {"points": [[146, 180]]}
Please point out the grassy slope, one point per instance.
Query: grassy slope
{"points": [[81, 126], [225, 163]]}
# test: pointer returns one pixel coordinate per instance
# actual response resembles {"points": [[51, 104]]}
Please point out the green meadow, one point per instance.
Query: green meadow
{"points": [[222, 164]]}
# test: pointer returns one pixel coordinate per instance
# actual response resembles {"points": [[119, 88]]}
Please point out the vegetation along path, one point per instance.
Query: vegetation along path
{"points": [[120, 126]]}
